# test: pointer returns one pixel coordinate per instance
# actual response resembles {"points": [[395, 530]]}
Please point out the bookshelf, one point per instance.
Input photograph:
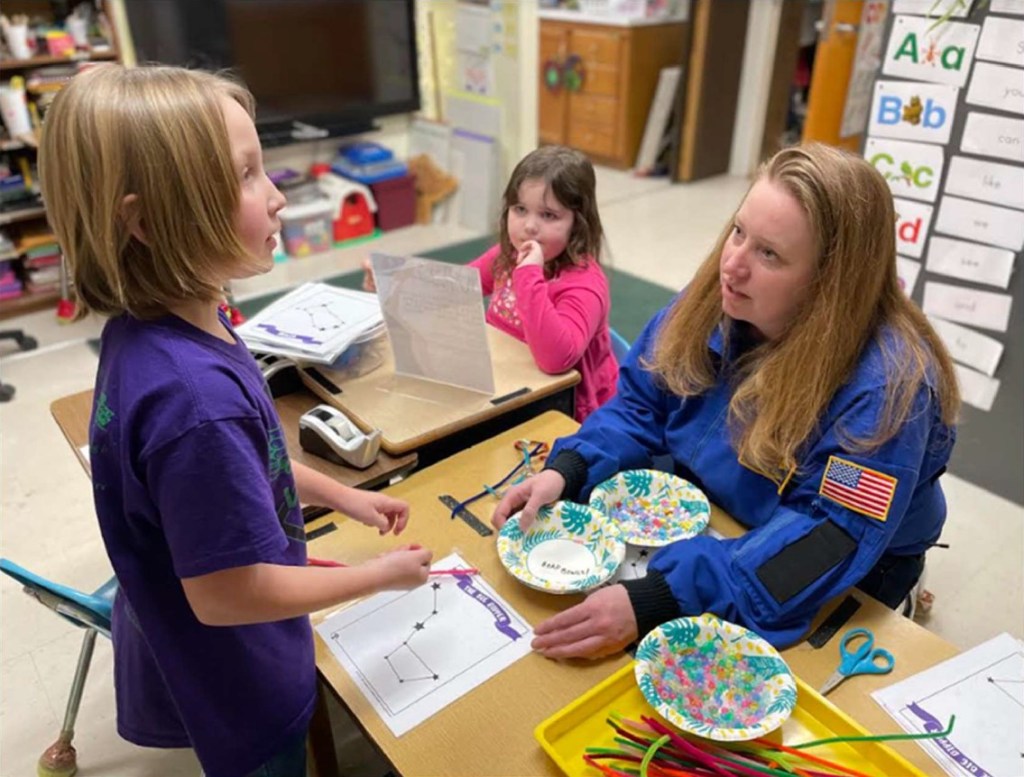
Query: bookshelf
{"points": [[9, 65], [20, 153]]}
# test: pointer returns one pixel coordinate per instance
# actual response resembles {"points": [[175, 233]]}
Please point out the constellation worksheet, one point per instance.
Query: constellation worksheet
{"points": [[984, 688], [414, 652], [315, 321]]}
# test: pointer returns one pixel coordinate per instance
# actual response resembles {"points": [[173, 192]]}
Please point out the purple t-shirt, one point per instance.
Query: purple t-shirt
{"points": [[191, 476]]}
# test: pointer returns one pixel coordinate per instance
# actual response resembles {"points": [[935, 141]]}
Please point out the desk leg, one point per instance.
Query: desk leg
{"points": [[321, 739]]}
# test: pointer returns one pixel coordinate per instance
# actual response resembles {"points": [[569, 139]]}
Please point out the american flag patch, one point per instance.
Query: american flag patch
{"points": [[863, 490]]}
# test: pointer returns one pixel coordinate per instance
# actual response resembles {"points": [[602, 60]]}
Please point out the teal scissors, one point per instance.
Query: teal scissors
{"points": [[866, 659]]}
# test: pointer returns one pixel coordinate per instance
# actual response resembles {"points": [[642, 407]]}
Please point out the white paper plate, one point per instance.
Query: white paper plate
{"points": [[570, 548]]}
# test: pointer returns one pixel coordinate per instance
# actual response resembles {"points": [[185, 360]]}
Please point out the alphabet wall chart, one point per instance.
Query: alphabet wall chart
{"points": [[946, 130]]}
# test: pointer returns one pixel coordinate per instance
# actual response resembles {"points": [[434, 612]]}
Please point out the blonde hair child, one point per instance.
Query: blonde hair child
{"points": [[154, 184]]}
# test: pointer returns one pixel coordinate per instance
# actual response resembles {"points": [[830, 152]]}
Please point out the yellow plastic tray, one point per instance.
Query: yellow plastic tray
{"points": [[582, 724]]}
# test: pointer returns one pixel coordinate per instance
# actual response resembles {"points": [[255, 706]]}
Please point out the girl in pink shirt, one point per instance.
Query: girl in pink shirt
{"points": [[546, 285], [544, 279]]}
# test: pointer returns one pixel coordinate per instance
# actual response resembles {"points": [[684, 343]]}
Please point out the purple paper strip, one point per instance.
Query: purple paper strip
{"points": [[932, 725], [502, 620], [273, 330]]}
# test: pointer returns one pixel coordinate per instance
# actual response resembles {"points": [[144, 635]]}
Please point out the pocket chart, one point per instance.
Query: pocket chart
{"points": [[970, 261], [995, 136]]}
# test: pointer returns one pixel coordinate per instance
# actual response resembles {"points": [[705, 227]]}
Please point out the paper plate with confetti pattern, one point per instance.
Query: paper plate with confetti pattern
{"points": [[570, 548], [715, 679], [652, 508]]}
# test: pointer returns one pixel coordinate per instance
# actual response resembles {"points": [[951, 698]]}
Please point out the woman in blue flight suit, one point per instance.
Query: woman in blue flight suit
{"points": [[795, 383]]}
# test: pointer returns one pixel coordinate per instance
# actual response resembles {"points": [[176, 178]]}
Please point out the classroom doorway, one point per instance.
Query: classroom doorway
{"points": [[827, 54]]}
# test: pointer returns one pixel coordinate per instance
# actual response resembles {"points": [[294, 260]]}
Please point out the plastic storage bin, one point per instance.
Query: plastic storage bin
{"points": [[396, 202], [367, 163], [307, 227]]}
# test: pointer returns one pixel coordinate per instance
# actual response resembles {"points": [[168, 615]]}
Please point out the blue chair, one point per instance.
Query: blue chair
{"points": [[620, 346], [90, 612]]}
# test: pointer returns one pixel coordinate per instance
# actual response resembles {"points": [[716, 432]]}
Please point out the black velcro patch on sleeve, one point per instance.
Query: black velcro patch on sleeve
{"points": [[796, 566]]}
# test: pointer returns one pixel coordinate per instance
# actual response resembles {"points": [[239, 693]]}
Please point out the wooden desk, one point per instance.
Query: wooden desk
{"points": [[72, 416], [437, 420], [490, 731]]}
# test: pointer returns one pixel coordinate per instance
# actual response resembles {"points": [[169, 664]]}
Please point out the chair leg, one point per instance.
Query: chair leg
{"points": [[60, 759]]}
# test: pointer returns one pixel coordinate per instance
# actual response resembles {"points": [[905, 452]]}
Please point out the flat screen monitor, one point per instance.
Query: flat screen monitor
{"points": [[326, 63]]}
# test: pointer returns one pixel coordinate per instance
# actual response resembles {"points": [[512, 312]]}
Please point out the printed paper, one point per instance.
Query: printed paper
{"points": [[970, 261], [907, 271], [913, 111], [984, 223], [315, 322], [984, 688], [988, 181], [911, 169], [997, 86], [969, 347], [924, 51], [866, 63], [412, 653], [997, 136], [985, 309], [912, 220], [976, 389], [435, 319], [1002, 40], [935, 8], [1007, 6]]}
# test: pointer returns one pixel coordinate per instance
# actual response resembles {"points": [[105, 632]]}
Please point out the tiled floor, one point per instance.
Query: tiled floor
{"points": [[657, 231]]}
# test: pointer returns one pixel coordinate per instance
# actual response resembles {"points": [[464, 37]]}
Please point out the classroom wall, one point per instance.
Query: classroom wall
{"points": [[516, 61], [516, 81]]}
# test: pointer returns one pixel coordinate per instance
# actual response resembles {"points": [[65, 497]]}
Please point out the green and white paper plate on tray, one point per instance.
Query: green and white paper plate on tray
{"points": [[715, 679], [570, 548], [652, 508]]}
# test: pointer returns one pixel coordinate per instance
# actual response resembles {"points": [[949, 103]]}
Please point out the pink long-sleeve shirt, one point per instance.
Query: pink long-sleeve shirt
{"points": [[564, 321]]}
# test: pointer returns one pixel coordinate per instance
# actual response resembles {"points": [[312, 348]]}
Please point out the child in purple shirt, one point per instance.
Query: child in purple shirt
{"points": [[155, 186]]}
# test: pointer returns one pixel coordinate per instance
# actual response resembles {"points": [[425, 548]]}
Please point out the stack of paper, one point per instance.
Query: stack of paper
{"points": [[314, 323]]}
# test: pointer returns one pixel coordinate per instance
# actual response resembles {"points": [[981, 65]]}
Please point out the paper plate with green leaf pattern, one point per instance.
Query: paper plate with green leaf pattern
{"points": [[570, 548], [653, 508], [715, 679]]}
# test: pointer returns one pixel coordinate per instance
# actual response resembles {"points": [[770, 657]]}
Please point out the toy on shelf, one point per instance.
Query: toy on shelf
{"points": [[367, 163], [353, 205], [307, 227], [393, 188], [433, 185]]}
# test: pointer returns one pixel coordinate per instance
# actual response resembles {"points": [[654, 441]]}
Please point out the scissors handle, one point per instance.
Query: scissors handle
{"points": [[865, 658]]}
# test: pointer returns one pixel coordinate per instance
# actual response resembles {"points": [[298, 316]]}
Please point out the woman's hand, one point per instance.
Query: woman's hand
{"points": [[368, 283], [602, 624], [382, 512], [536, 491], [530, 252]]}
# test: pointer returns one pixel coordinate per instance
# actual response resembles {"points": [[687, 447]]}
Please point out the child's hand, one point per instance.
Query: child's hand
{"points": [[380, 511], [530, 252], [402, 568], [368, 282]]}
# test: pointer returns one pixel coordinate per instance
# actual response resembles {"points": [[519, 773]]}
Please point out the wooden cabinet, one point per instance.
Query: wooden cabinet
{"points": [[604, 115]]}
